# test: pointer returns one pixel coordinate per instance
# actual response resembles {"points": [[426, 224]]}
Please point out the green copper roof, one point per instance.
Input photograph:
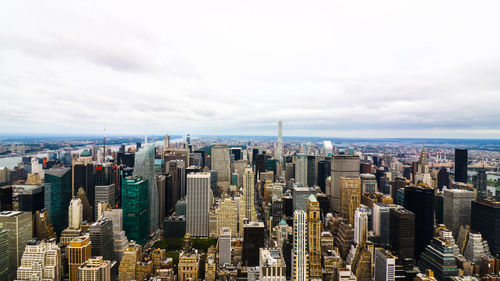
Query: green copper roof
{"points": [[282, 222], [312, 198], [85, 153]]}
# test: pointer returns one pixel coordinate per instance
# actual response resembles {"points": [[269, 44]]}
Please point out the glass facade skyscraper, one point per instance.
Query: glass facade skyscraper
{"points": [[135, 208], [57, 195], [144, 167]]}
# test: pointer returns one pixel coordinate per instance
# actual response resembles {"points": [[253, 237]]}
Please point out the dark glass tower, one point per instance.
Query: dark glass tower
{"points": [[57, 196], [6, 198], [443, 178], [135, 209], [461, 165], [420, 200], [253, 240], [402, 232], [485, 218], [439, 257]]}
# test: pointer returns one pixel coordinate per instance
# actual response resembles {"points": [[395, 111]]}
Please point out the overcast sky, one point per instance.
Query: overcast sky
{"points": [[338, 68]]}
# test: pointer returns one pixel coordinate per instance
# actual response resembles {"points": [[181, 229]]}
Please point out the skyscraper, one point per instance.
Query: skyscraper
{"points": [[300, 256], [79, 250], [314, 236], [221, 163], [249, 193], [380, 222], [4, 253], [420, 200], [342, 166], [301, 169], [438, 257], [6, 198], [402, 233], [135, 208], [457, 210], [198, 200], [75, 215], [19, 228], [360, 225], [279, 153], [57, 196], [95, 269], [101, 238], [461, 165], [253, 240], [225, 246], [485, 219], [385, 265], [350, 197], [443, 178], [144, 167], [368, 183], [104, 194]]}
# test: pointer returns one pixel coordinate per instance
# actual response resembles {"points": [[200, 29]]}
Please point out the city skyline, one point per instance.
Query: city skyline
{"points": [[334, 69]]}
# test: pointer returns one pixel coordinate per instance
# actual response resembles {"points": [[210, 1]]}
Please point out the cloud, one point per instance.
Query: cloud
{"points": [[335, 68]]}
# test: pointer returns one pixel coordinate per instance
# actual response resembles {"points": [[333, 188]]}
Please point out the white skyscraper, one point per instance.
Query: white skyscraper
{"points": [[198, 200], [225, 246], [360, 225], [75, 213], [385, 265], [300, 257]]}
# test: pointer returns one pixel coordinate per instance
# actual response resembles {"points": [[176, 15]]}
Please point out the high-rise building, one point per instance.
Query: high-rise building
{"points": [[127, 268], [350, 197], [300, 256], [461, 165], [323, 173], [438, 257], [314, 236], [189, 266], [385, 265], [221, 163], [120, 241], [19, 228], [176, 183], [57, 195], [368, 183], [342, 166], [456, 209], [79, 251], [101, 238], [135, 208], [144, 167], [95, 269], [420, 201], [40, 261], [253, 240], [476, 248], [4, 253], [301, 169], [423, 175], [279, 152], [272, 265], [42, 226], [198, 201], [485, 219], [87, 207], [75, 213], [360, 225], [380, 222], [227, 216], [300, 195], [104, 194], [402, 232], [480, 180], [225, 246], [249, 193], [443, 178], [30, 197]]}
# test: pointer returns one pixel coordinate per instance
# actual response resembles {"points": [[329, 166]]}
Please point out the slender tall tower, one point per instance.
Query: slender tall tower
{"points": [[249, 193], [314, 236], [279, 153], [300, 257]]}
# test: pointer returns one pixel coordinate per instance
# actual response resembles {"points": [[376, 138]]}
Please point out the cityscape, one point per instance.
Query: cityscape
{"points": [[249, 208], [224, 140]]}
